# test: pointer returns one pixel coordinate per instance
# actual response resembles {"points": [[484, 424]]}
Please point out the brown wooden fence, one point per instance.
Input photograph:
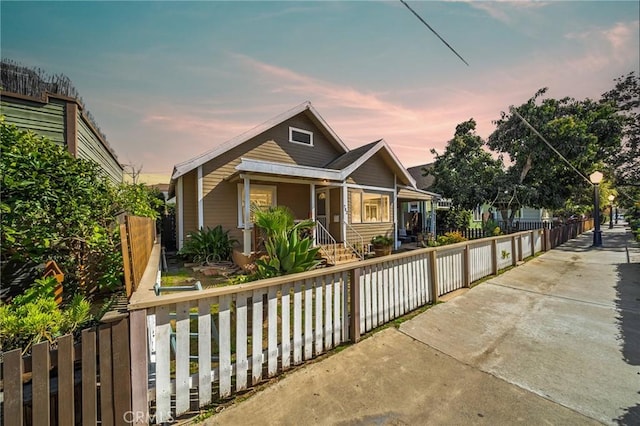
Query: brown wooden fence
{"points": [[137, 235], [70, 384], [561, 234]]}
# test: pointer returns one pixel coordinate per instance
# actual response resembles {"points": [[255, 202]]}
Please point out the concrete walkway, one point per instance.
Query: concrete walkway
{"points": [[555, 341]]}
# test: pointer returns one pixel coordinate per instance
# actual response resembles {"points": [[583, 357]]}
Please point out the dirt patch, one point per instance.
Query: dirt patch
{"points": [[180, 273]]}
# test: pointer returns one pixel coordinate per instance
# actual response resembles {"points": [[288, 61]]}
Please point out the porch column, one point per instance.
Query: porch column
{"points": [[423, 207], [246, 232], [180, 213], [434, 204], [345, 212], [396, 242], [200, 200], [312, 198]]}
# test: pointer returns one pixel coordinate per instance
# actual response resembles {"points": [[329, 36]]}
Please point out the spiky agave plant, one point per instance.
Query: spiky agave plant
{"points": [[287, 252]]}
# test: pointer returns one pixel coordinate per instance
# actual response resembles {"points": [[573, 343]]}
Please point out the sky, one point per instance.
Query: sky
{"points": [[167, 81]]}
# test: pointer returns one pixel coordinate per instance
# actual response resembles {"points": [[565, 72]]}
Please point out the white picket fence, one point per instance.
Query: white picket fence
{"points": [[265, 327]]}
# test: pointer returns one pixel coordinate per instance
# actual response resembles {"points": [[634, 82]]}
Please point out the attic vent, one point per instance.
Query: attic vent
{"points": [[300, 136]]}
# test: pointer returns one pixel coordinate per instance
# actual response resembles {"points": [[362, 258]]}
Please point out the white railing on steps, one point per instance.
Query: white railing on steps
{"points": [[327, 242], [355, 242]]}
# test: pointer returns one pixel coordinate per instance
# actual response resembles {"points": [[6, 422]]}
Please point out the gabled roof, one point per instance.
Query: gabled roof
{"points": [[422, 182], [350, 157], [187, 166], [359, 156]]}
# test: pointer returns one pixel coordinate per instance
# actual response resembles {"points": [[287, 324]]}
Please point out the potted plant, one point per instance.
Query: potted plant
{"points": [[382, 245]]}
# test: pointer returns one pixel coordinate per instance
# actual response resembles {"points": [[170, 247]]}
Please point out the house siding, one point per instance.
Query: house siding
{"points": [[91, 148], [51, 119], [296, 197], [190, 204], [44, 119], [373, 172], [370, 230]]}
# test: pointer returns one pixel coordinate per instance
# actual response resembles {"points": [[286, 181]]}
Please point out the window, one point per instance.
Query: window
{"points": [[369, 207], [477, 214], [300, 136], [261, 196], [356, 207]]}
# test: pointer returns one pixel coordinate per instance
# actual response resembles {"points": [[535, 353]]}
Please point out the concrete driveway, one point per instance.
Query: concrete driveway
{"points": [[555, 341]]}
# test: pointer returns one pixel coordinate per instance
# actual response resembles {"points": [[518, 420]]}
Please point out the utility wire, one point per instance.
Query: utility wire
{"points": [[514, 112], [434, 31]]}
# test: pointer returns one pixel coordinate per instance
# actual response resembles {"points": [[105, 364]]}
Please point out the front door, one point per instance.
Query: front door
{"points": [[322, 206]]}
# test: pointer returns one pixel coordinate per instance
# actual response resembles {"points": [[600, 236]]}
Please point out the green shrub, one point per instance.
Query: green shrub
{"points": [[450, 238], [382, 241], [57, 207], [34, 316], [208, 245]]}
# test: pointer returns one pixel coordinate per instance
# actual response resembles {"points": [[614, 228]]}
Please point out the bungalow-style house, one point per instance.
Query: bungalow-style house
{"points": [[295, 160]]}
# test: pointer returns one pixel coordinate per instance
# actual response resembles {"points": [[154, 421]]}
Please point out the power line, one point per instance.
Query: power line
{"points": [[513, 110], [434, 31]]}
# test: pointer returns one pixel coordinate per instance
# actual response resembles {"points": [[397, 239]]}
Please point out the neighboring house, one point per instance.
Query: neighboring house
{"points": [[295, 160], [27, 101]]}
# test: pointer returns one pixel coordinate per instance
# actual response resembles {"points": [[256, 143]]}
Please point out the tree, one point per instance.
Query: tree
{"points": [[56, 207], [625, 98], [586, 133], [466, 173]]}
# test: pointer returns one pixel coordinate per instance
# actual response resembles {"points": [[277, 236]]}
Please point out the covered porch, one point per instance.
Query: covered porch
{"points": [[416, 214], [310, 193]]}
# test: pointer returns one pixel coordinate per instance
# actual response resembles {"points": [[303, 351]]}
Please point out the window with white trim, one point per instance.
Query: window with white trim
{"points": [[477, 214], [261, 196], [369, 207], [300, 136]]}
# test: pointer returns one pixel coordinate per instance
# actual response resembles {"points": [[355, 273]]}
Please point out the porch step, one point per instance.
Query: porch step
{"points": [[342, 254]]}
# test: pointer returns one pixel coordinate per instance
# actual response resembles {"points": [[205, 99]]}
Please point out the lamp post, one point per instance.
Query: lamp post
{"points": [[611, 198], [596, 178]]}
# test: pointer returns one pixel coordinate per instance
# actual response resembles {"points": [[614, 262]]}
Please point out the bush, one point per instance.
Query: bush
{"points": [[208, 245], [382, 241], [34, 316], [450, 238], [57, 207]]}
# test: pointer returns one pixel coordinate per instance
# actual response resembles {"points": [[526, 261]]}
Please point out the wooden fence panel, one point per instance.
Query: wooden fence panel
{"points": [[137, 235], [480, 260], [12, 369], [59, 386]]}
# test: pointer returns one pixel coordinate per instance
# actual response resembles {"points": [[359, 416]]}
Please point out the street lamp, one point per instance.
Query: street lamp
{"points": [[596, 178], [611, 198]]}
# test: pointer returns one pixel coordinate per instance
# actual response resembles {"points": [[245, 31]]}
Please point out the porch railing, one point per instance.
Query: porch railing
{"points": [[326, 241], [355, 242]]}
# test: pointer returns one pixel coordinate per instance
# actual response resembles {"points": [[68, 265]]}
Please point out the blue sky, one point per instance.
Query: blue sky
{"points": [[169, 80]]}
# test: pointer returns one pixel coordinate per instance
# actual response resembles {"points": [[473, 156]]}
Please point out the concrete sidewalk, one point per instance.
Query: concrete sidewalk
{"points": [[555, 341]]}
